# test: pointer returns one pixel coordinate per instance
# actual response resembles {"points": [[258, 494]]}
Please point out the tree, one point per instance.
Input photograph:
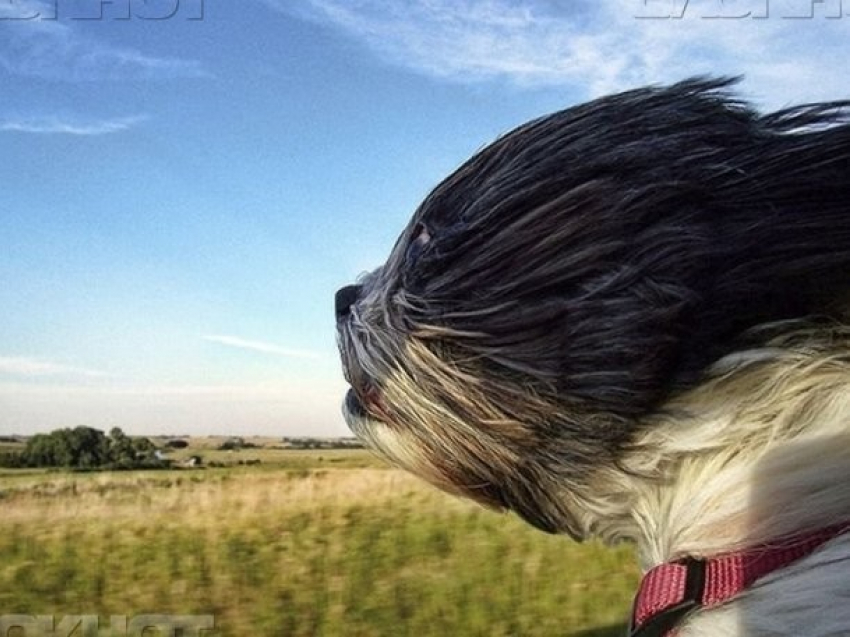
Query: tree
{"points": [[88, 448], [122, 455]]}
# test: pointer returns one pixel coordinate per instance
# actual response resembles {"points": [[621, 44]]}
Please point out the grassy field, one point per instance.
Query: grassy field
{"points": [[306, 543]]}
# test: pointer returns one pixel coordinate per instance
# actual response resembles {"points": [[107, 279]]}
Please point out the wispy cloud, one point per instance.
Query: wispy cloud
{"points": [[21, 366], [260, 346], [57, 50], [592, 46], [57, 125]]}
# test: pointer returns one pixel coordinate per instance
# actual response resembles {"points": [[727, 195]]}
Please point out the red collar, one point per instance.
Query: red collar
{"points": [[670, 591]]}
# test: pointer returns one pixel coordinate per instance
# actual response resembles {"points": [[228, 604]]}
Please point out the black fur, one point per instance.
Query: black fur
{"points": [[588, 265], [615, 249]]}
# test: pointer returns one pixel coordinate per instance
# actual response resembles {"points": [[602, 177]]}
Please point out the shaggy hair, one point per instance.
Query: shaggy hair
{"points": [[628, 319]]}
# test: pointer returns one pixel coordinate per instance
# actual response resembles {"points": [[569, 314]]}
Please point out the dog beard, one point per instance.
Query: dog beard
{"points": [[571, 279]]}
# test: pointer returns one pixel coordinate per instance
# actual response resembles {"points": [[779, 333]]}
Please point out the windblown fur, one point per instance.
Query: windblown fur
{"points": [[629, 319]]}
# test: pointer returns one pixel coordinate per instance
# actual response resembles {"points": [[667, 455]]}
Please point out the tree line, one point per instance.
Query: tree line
{"points": [[85, 448]]}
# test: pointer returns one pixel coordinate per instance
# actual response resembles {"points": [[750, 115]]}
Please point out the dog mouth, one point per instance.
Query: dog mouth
{"points": [[354, 405], [366, 402]]}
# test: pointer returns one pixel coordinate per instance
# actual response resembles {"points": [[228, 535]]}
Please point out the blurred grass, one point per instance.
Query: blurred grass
{"points": [[298, 550]]}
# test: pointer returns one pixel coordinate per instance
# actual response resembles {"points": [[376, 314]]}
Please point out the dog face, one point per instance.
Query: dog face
{"points": [[569, 279]]}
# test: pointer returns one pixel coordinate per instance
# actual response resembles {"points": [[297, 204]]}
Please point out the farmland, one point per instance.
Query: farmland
{"points": [[320, 542]]}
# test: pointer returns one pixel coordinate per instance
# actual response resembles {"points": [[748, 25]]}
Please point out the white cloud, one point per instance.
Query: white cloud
{"points": [[594, 47], [57, 50], [56, 125], [36, 368], [259, 346]]}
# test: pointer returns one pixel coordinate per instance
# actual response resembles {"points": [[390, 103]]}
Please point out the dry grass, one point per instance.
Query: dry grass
{"points": [[297, 552]]}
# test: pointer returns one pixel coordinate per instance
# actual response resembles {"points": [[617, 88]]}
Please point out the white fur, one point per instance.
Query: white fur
{"points": [[760, 452]]}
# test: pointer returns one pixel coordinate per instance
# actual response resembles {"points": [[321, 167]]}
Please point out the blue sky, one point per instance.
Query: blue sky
{"points": [[179, 198]]}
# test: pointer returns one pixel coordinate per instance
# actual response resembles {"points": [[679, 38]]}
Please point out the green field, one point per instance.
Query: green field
{"points": [[305, 543]]}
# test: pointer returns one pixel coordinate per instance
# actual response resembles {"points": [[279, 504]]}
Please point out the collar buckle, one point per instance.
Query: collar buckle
{"points": [[660, 624]]}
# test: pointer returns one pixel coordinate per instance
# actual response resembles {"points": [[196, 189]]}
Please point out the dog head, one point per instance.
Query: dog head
{"points": [[569, 279]]}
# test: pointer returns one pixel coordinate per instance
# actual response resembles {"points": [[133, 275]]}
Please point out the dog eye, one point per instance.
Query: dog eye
{"points": [[421, 238]]}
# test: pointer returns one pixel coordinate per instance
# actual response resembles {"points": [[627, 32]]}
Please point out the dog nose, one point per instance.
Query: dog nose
{"points": [[345, 298]]}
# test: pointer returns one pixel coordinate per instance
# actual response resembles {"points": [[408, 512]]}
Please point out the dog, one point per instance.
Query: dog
{"points": [[630, 320]]}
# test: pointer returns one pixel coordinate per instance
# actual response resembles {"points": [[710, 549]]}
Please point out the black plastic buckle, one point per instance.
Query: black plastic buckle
{"points": [[660, 624]]}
